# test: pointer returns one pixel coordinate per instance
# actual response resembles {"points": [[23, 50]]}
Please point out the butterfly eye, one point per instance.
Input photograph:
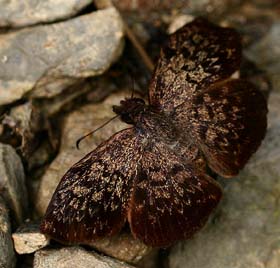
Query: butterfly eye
{"points": [[140, 101], [117, 109], [126, 117]]}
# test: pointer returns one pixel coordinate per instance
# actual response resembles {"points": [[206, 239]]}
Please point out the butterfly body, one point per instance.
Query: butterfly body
{"points": [[153, 174]]}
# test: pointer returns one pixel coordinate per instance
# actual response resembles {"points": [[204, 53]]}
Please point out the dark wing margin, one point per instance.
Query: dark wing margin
{"points": [[197, 55], [170, 200], [227, 122], [92, 198]]}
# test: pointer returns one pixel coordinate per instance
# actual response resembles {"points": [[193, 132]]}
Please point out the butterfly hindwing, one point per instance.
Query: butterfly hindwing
{"points": [[197, 55], [92, 198], [227, 122], [170, 200]]}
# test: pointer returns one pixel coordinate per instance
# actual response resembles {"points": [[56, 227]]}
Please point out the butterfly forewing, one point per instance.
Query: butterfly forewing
{"points": [[171, 200], [194, 57], [92, 198]]}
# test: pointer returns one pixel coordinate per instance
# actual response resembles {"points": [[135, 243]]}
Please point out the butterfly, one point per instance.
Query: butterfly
{"points": [[153, 174]]}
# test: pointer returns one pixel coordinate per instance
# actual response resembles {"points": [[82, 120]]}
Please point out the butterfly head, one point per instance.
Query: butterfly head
{"points": [[129, 109]]}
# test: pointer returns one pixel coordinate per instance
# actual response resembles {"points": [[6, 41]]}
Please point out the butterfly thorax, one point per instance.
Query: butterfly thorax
{"points": [[129, 109], [146, 119]]}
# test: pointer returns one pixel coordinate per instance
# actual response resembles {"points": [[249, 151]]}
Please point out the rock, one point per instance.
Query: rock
{"points": [[27, 126], [245, 229], [20, 126], [74, 257], [50, 58], [266, 53], [28, 239], [211, 8], [18, 14], [12, 182], [152, 260], [123, 247], [178, 22], [274, 260], [7, 255]]}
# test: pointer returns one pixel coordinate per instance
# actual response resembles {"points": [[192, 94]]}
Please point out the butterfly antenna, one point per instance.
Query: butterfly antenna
{"points": [[92, 132]]}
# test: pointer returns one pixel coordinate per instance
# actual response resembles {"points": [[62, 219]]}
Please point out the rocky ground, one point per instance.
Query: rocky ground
{"points": [[63, 64]]}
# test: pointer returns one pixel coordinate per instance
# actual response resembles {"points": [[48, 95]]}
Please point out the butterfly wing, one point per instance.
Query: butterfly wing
{"points": [[227, 122], [170, 200], [225, 118], [193, 58], [91, 199]]}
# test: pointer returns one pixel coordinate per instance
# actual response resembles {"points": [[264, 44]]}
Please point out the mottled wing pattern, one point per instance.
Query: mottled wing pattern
{"points": [[170, 200], [92, 198], [193, 58], [227, 122]]}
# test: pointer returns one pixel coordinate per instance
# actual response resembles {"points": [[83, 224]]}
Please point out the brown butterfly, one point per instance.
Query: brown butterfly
{"points": [[153, 174]]}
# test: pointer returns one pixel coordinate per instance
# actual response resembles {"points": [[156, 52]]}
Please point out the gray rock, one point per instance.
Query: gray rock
{"points": [[74, 257], [12, 182], [7, 255], [52, 57], [17, 14], [266, 53], [28, 239], [21, 124], [212, 8], [245, 230]]}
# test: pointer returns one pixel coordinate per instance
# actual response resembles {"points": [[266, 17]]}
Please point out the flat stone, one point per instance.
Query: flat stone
{"points": [[244, 232], [17, 14], [7, 254], [75, 257], [12, 182], [123, 247], [28, 239], [50, 58]]}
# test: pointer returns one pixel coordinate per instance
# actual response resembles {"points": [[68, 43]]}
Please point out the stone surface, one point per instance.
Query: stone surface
{"points": [[7, 255], [178, 22], [17, 14], [12, 182], [20, 125], [266, 53], [123, 247], [74, 257], [28, 239], [245, 229], [50, 58]]}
